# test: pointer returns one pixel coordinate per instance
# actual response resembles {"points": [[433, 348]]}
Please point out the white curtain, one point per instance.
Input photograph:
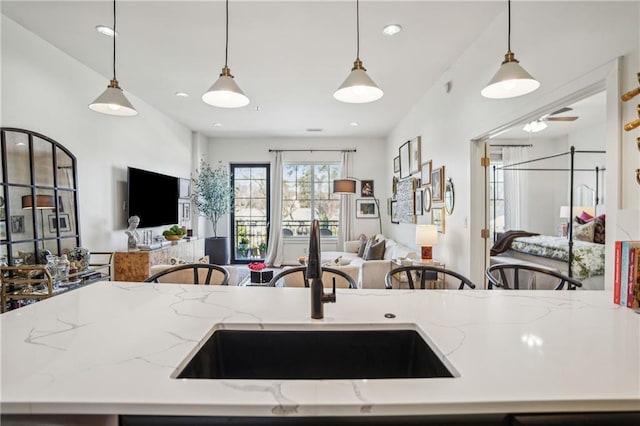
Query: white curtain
{"points": [[515, 184], [346, 212], [275, 250]]}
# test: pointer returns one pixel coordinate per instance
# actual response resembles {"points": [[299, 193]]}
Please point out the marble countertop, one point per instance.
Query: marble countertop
{"points": [[112, 347]]}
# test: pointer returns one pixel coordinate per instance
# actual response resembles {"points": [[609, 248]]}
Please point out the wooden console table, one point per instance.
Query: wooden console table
{"points": [[135, 265]]}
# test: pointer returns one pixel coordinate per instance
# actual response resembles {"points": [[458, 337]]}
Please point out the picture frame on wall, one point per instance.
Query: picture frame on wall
{"points": [[366, 209], [394, 212], [418, 203], [425, 173], [185, 188], [366, 188], [437, 184], [17, 224], [426, 199], [405, 169], [65, 225], [396, 164], [437, 218], [414, 155], [3, 230]]}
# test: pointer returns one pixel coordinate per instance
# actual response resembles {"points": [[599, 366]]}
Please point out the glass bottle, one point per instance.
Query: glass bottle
{"points": [[52, 267], [63, 268]]}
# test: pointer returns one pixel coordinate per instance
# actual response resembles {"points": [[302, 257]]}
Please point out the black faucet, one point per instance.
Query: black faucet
{"points": [[314, 273]]}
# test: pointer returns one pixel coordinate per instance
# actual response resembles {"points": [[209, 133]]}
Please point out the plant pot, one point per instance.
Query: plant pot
{"points": [[217, 248]]}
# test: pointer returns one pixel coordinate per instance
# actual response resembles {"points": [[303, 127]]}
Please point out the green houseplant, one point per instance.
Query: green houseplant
{"points": [[213, 197]]}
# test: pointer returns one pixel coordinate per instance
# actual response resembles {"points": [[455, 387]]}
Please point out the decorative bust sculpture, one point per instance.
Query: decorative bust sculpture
{"points": [[131, 232]]}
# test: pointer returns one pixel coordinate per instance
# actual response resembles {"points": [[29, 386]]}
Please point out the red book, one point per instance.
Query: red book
{"points": [[630, 277], [616, 272]]}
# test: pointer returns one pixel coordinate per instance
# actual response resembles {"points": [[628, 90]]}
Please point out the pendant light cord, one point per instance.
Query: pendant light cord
{"points": [[358, 29], [114, 39], [226, 44], [509, 26]]}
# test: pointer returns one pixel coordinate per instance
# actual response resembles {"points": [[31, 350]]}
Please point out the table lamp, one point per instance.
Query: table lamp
{"points": [[426, 237]]}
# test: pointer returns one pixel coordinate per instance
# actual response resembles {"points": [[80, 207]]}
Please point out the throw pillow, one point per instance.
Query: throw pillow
{"points": [[177, 261], [367, 246], [376, 251], [585, 232], [363, 245], [599, 230]]}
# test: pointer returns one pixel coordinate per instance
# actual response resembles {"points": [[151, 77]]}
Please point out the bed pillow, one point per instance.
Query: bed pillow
{"points": [[598, 231], [584, 218], [376, 251], [585, 232]]}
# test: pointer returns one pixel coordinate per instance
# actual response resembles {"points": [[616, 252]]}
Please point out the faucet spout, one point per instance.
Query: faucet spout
{"points": [[314, 273]]}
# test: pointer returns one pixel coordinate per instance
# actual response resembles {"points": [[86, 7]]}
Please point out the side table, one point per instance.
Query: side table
{"points": [[432, 280]]}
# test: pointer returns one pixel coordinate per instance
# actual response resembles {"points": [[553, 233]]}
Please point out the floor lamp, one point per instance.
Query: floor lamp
{"points": [[348, 186]]}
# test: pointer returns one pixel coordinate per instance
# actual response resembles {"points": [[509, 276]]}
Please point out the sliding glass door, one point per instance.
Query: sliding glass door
{"points": [[250, 216]]}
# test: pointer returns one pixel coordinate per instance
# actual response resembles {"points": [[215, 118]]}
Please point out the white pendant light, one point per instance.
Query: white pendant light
{"points": [[358, 88], [113, 101], [225, 92], [511, 80]]}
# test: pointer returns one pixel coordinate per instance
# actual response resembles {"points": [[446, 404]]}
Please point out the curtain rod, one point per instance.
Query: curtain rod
{"points": [[312, 150], [551, 170], [511, 146]]}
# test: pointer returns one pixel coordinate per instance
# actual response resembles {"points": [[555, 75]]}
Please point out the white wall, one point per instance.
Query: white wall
{"points": [[569, 52], [47, 91]]}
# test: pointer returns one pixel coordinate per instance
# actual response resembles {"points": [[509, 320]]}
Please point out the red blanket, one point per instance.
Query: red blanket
{"points": [[503, 242]]}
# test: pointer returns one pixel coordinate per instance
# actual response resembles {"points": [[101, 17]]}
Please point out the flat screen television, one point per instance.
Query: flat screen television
{"points": [[153, 197]]}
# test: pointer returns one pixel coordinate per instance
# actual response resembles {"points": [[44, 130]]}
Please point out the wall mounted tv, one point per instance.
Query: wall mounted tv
{"points": [[153, 197]]}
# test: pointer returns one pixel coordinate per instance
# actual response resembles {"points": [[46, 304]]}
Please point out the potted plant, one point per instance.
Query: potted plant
{"points": [[213, 197]]}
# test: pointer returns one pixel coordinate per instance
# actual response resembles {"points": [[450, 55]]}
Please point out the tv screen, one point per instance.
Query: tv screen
{"points": [[153, 197]]}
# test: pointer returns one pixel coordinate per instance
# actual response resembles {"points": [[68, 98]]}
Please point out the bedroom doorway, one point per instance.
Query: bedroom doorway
{"points": [[515, 199]]}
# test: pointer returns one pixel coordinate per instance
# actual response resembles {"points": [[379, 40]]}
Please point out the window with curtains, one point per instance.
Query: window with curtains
{"points": [[307, 194]]}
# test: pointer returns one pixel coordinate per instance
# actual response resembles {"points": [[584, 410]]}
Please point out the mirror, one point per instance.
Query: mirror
{"points": [[426, 199], [449, 196]]}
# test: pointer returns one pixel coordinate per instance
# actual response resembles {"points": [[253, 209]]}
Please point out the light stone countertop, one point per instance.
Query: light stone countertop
{"points": [[111, 348]]}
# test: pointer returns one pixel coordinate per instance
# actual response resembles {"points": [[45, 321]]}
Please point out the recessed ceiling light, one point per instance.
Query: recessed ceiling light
{"points": [[354, 124], [182, 95], [217, 124], [103, 29], [392, 29], [314, 130]]}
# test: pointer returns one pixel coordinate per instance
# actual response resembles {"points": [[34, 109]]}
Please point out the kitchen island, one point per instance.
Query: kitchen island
{"points": [[113, 348]]}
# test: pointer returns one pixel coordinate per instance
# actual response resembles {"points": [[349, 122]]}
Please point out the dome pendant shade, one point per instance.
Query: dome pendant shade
{"points": [[113, 102], [358, 87], [225, 92], [510, 81]]}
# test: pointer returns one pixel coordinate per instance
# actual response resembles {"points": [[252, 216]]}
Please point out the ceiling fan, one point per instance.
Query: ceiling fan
{"points": [[552, 116]]}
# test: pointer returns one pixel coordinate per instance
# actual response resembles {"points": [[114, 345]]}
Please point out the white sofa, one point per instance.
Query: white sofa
{"points": [[371, 272]]}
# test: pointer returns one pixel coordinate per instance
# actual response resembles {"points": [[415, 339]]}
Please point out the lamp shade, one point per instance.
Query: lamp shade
{"points": [[426, 235], [42, 202], [510, 81], [358, 88], [344, 186], [565, 212], [225, 92], [113, 102]]}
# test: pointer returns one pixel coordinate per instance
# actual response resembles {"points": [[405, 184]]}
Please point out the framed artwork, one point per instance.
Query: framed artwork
{"points": [[366, 188], [65, 225], [396, 164], [2, 213], [414, 155], [185, 188], [60, 204], [3, 230], [437, 184], [404, 160], [394, 212], [425, 173], [437, 218], [426, 199], [418, 202], [17, 224], [389, 200], [394, 186], [366, 209]]}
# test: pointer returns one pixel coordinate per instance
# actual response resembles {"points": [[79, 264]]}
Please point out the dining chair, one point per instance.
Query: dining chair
{"points": [[192, 273], [424, 273], [329, 276], [508, 276]]}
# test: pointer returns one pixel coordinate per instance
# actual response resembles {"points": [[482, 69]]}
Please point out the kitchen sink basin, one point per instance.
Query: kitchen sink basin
{"points": [[314, 354]]}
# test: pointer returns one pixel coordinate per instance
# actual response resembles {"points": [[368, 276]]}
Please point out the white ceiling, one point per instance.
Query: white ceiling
{"points": [[288, 56]]}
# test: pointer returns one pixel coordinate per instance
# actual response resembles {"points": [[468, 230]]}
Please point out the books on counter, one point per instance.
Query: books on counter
{"points": [[626, 282]]}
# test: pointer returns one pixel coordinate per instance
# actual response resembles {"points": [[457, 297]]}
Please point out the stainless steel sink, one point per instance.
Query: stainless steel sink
{"points": [[314, 354]]}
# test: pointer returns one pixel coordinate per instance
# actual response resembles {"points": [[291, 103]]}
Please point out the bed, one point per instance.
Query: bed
{"points": [[553, 252]]}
